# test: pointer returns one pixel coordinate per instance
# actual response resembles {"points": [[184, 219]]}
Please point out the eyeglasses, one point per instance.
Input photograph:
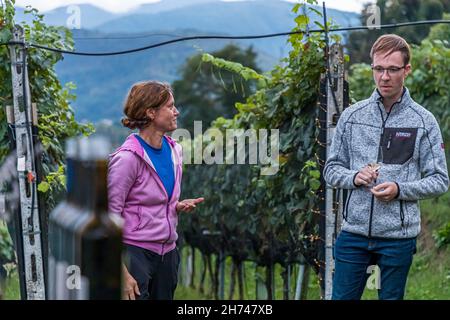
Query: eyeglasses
{"points": [[391, 70]]}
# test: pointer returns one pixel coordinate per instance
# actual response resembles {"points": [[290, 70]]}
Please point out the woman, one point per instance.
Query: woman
{"points": [[144, 180]]}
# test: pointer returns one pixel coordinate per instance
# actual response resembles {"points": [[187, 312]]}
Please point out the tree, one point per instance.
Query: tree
{"points": [[56, 118], [203, 94], [260, 217], [441, 31], [359, 43]]}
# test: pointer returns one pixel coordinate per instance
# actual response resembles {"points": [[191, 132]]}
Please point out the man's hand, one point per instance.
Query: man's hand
{"points": [[188, 205], [365, 176], [131, 288], [385, 191]]}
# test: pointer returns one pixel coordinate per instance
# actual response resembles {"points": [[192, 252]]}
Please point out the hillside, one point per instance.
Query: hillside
{"points": [[102, 82]]}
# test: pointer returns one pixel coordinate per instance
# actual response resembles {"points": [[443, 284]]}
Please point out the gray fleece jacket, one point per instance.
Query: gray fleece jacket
{"points": [[408, 144]]}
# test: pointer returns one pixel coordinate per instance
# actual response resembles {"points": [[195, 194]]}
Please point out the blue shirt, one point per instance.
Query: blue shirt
{"points": [[163, 163]]}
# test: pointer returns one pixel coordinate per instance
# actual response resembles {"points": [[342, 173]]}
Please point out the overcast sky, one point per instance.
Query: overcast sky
{"points": [[123, 6]]}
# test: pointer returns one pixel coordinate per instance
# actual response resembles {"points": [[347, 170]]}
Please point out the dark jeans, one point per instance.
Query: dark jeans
{"points": [[355, 254], [156, 275]]}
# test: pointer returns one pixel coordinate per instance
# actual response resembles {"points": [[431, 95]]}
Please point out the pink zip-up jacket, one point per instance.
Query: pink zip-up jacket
{"points": [[137, 194]]}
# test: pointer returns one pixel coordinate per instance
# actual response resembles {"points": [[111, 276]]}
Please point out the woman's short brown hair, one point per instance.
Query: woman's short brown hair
{"points": [[390, 43], [143, 96]]}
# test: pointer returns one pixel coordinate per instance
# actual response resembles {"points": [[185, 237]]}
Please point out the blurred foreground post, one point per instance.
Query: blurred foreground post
{"points": [[85, 242]]}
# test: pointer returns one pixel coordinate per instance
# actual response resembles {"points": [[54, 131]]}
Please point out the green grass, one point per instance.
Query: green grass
{"points": [[188, 293], [429, 277], [183, 293], [11, 287]]}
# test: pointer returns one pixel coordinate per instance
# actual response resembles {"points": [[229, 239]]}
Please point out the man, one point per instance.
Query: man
{"points": [[389, 153]]}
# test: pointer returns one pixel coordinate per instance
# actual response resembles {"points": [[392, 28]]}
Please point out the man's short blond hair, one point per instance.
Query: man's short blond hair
{"points": [[389, 43]]}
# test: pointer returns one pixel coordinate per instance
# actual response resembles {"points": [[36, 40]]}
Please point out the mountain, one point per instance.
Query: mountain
{"points": [[90, 16], [239, 18], [102, 82], [167, 5]]}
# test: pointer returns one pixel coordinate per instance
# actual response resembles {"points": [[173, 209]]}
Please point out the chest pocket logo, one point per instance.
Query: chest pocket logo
{"points": [[397, 145]]}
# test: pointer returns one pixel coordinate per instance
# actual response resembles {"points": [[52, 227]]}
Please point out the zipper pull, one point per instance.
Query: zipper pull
{"points": [[389, 142]]}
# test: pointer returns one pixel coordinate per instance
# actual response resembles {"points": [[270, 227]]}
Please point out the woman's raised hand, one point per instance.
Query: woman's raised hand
{"points": [[188, 205]]}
